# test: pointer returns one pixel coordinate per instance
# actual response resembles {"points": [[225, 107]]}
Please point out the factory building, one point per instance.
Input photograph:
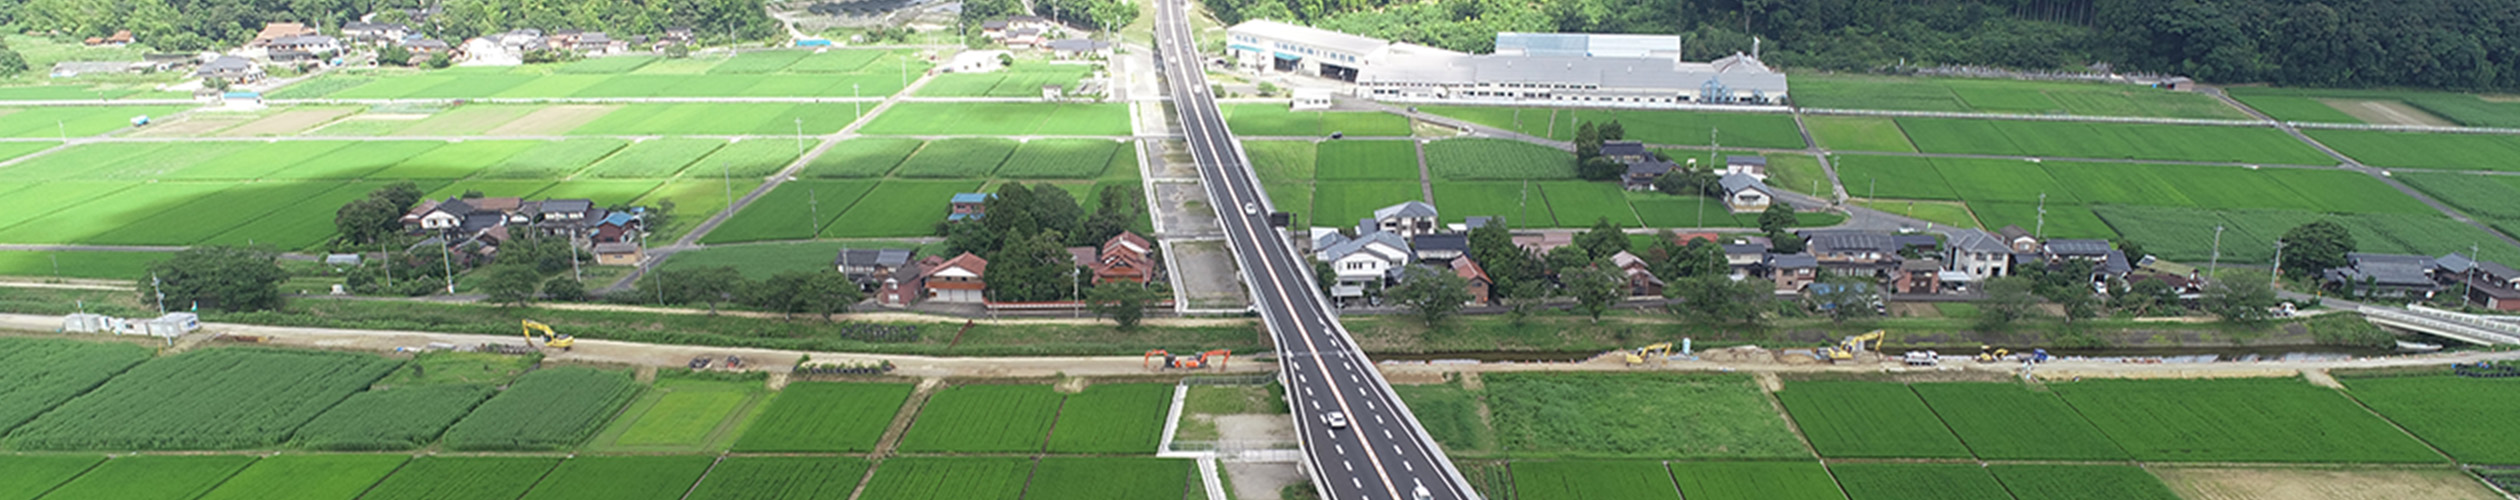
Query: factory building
{"points": [[1574, 69]]}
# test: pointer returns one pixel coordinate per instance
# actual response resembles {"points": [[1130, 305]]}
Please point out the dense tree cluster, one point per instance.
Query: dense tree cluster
{"points": [[1026, 234], [219, 278], [2453, 44], [214, 24]]}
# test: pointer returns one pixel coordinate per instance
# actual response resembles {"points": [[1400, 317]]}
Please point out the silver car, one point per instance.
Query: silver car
{"points": [[1336, 420]]}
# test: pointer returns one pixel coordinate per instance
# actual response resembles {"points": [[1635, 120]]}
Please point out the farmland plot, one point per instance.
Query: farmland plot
{"points": [[787, 213], [307, 477], [43, 373], [1277, 161], [1755, 481], [2251, 420], [782, 478], [897, 208], [936, 478], [1868, 419], [399, 418], [1060, 159], [2109, 140], [2081, 482], [958, 158], [653, 477], [1000, 118], [2422, 150], [1637, 415], [2009, 422], [1894, 177], [682, 415], [553, 160], [1339, 202], [214, 399], [2323, 483], [442, 477], [653, 158], [1113, 418], [1449, 414], [1520, 203], [1368, 160], [1593, 480], [1894, 481], [1470, 159], [984, 418], [24, 477], [826, 417], [151, 477], [2465, 417], [1105, 478], [861, 157], [1853, 133], [545, 410]]}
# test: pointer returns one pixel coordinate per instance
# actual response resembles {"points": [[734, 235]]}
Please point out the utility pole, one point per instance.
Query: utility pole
{"points": [[2041, 232], [813, 202], [574, 271], [447, 259], [2214, 265], [2276, 281], [160, 292], [56, 260], [387, 260]]}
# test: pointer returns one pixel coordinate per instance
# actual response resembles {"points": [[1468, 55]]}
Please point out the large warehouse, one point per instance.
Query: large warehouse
{"points": [[1574, 68]]}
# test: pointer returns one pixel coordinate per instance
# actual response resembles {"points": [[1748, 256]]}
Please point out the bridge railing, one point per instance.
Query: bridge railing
{"points": [[2465, 319], [2439, 327]]}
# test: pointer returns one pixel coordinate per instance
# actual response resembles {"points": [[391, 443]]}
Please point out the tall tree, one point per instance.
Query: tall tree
{"points": [[223, 278], [1433, 294], [1596, 287], [703, 285], [1056, 210], [564, 288], [2008, 299], [1124, 303], [1613, 131], [1777, 218], [2241, 296], [2310, 249], [510, 284], [1717, 298], [1603, 240], [1034, 270], [1846, 296], [1587, 142]]}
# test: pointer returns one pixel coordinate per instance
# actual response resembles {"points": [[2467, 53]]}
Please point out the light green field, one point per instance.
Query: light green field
{"points": [[683, 416]]}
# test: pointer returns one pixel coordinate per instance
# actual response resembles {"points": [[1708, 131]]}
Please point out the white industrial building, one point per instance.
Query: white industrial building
{"points": [[1582, 69]]}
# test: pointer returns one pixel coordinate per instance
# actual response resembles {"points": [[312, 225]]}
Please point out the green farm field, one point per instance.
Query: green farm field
{"points": [[1858, 133], [2294, 104], [24, 477], [307, 477], [1684, 128], [774, 73], [1635, 415], [152, 477], [2425, 150], [1868, 420], [437, 477], [1000, 118], [622, 477], [1593, 480], [2081, 482], [1449, 413], [1111, 478], [214, 399], [1755, 481], [940, 478], [2003, 96], [862, 157], [825, 417], [54, 371], [1023, 80], [1277, 161], [898, 208], [75, 121], [1519, 202], [1496, 159], [681, 415], [1581, 204], [2459, 415], [984, 418], [1112, 419], [1277, 120], [957, 158], [790, 212], [2239, 420], [550, 409], [1063, 159], [1915, 481], [1367, 160], [1342, 203], [2010, 422], [398, 418], [719, 118], [782, 478], [2109, 140]]}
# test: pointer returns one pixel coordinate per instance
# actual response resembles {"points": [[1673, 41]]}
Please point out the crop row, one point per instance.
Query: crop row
{"points": [[212, 399], [545, 410], [43, 373]]}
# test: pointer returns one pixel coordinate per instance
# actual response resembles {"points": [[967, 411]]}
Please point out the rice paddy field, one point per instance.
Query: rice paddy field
{"points": [[622, 477], [1593, 479], [1112, 478], [1001, 118], [1868, 420], [2081, 482], [307, 477], [766, 73], [2004, 96], [1755, 481], [2493, 152], [1112, 419], [683, 415], [782, 478], [2321, 105], [1277, 120], [2264, 145], [214, 399], [984, 418], [1685, 128], [435, 477], [151, 477], [2239, 420], [2459, 415], [54, 371], [1021, 80], [1917, 481], [955, 478], [1635, 415], [29, 476], [825, 417], [2012, 422]]}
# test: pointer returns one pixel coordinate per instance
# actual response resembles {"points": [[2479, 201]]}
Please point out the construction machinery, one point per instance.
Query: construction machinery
{"points": [[1846, 349], [1216, 358], [1992, 354], [547, 338], [1657, 352]]}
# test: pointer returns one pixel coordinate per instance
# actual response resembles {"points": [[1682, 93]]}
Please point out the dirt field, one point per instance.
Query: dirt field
{"points": [[472, 120], [192, 125], [291, 122], [2323, 484], [553, 120], [2381, 112]]}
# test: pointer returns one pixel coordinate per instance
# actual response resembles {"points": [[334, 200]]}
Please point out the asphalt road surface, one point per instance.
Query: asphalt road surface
{"points": [[1381, 452]]}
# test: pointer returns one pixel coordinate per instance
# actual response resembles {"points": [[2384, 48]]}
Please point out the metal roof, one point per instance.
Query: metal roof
{"points": [[1977, 241], [1588, 45], [1263, 28], [1410, 208], [1736, 182]]}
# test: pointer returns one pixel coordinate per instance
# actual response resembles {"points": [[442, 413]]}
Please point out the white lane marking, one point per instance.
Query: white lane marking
{"points": [[1317, 405], [1378, 419], [1360, 483], [1350, 465], [1342, 449], [1307, 392], [1369, 404], [1396, 449], [1387, 433]]}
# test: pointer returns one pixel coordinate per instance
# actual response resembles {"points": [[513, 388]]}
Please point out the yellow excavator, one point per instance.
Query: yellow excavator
{"points": [[547, 338], [1846, 349], [1989, 354], [1656, 352]]}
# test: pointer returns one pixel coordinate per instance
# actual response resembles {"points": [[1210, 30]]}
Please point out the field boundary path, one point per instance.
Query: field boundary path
{"points": [[2348, 163]]}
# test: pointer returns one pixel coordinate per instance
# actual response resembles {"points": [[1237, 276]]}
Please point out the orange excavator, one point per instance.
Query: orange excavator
{"points": [[1215, 358]]}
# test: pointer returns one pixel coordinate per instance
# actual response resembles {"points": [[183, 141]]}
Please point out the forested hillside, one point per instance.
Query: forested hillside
{"points": [[2452, 44], [208, 24]]}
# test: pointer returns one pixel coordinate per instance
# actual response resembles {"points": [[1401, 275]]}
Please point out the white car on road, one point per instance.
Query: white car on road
{"points": [[1336, 420]]}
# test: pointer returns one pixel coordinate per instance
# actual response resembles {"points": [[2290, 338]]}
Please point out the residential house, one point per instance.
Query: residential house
{"points": [[974, 61], [1542, 243], [1410, 218], [1751, 165], [1022, 38], [1744, 257], [1979, 254], [1640, 176], [118, 39], [618, 254], [2488, 284], [1310, 99], [1439, 247], [488, 52], [1361, 262], [969, 206], [1791, 272], [619, 227], [1126, 257], [425, 46], [1854, 252], [962, 279], [597, 43], [905, 285], [1641, 281], [1746, 194], [1626, 152], [2096, 251], [374, 33], [167, 61], [1919, 244], [677, 34], [2113, 266], [293, 58], [2020, 241], [869, 266], [276, 31], [231, 69], [2384, 275], [1917, 276], [1479, 283], [1078, 48]]}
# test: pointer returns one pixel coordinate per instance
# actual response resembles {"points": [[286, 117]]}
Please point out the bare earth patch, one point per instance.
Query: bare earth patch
{"points": [[2385, 112], [2322, 484], [553, 120], [472, 120], [289, 122], [1260, 481], [192, 125]]}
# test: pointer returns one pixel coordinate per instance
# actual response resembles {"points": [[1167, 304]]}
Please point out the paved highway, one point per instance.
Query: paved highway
{"points": [[1382, 453]]}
